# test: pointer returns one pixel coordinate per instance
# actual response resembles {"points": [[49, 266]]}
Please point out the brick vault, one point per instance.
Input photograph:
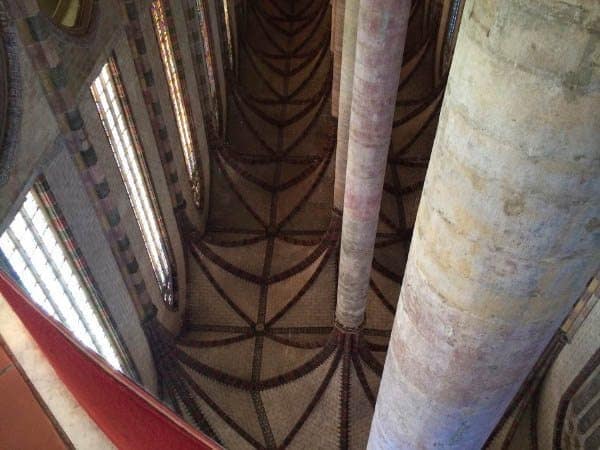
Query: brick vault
{"points": [[260, 363]]}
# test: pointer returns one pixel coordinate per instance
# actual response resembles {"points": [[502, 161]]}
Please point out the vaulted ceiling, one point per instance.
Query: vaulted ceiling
{"points": [[260, 364]]}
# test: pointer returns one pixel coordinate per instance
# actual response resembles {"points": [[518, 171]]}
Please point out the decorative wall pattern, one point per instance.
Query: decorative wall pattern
{"points": [[49, 66], [10, 94], [173, 67], [59, 223]]}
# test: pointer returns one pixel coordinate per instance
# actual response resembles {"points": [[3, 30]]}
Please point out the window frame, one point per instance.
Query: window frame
{"points": [[160, 13], [228, 31], [210, 69], [146, 208], [72, 275]]}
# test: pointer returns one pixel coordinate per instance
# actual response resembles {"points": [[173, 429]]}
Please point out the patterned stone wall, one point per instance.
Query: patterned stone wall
{"points": [[30, 141], [80, 53], [74, 65], [106, 160], [10, 98], [179, 38], [66, 186]]}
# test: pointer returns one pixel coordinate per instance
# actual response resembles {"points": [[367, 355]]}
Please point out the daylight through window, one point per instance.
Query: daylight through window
{"points": [[175, 89], [115, 115], [228, 32], [208, 58], [45, 269]]}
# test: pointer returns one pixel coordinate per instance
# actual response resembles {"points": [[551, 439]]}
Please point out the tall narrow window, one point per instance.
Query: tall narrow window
{"points": [[208, 58], [40, 249], [228, 32], [114, 111], [175, 89]]}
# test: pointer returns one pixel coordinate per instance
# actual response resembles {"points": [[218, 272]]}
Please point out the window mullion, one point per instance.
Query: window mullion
{"points": [[128, 165], [50, 261], [36, 275], [111, 102], [175, 85]]}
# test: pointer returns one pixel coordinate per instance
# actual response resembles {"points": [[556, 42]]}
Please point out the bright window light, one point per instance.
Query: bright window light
{"points": [[168, 58], [38, 257], [108, 93], [228, 31], [208, 58]]}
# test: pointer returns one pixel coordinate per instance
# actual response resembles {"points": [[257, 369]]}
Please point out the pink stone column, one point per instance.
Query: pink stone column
{"points": [[508, 229], [336, 47], [345, 100], [380, 41]]}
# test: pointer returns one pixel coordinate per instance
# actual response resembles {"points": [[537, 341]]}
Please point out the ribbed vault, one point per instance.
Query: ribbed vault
{"points": [[260, 364]]}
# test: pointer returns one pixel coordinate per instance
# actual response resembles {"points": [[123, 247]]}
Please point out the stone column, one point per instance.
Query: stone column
{"points": [[345, 100], [379, 45], [336, 47], [508, 229]]}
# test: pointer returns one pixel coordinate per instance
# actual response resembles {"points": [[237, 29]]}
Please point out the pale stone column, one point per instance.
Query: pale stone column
{"points": [[336, 47], [379, 45], [345, 100], [508, 229]]}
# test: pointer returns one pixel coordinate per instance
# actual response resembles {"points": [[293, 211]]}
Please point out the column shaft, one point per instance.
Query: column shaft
{"points": [[379, 45], [508, 229], [345, 99]]}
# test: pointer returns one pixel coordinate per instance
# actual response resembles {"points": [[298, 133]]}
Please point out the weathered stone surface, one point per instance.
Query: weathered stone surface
{"points": [[379, 46], [502, 243], [345, 100]]}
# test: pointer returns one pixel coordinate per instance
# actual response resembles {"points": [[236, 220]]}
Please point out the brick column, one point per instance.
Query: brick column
{"points": [[379, 46], [508, 232], [345, 100]]}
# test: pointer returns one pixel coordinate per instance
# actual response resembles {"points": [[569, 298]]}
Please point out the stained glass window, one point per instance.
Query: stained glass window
{"points": [[114, 111], [175, 89], [228, 32], [45, 267], [208, 57]]}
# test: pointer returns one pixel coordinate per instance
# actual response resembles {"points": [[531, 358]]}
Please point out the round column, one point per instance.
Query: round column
{"points": [[508, 229], [379, 45], [345, 100]]}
